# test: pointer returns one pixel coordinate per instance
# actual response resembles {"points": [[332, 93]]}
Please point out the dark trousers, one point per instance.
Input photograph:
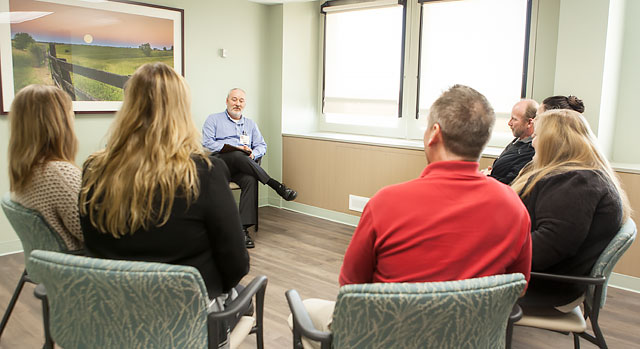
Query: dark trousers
{"points": [[246, 172]]}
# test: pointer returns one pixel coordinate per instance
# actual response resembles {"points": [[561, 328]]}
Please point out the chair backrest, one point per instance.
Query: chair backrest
{"points": [[610, 256], [469, 313], [32, 229], [101, 303]]}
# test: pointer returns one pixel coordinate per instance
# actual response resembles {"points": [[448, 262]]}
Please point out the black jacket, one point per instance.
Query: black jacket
{"points": [[513, 158], [574, 216], [207, 234]]}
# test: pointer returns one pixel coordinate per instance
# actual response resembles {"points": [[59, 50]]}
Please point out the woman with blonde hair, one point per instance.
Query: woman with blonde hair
{"points": [[42, 150], [153, 194], [575, 202]]}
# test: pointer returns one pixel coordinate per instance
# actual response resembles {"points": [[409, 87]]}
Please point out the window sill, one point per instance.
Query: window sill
{"points": [[490, 152]]}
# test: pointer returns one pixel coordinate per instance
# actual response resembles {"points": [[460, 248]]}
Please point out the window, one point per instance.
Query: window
{"points": [[385, 64], [363, 63], [483, 46]]}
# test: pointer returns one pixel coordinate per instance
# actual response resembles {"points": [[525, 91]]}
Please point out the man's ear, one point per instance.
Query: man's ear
{"points": [[435, 136]]}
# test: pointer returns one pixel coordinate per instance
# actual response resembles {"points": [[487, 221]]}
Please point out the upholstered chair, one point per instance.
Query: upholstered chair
{"points": [[469, 313]]}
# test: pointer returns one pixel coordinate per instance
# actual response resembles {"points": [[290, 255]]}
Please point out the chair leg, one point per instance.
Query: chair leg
{"points": [[48, 341], [256, 226], [12, 302], [576, 341], [509, 336], [601, 343]]}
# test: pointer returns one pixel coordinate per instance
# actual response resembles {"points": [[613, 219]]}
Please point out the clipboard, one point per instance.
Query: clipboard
{"points": [[226, 148]]}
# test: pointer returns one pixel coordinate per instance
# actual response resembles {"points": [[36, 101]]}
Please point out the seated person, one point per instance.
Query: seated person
{"points": [[154, 194], [575, 202], [232, 128], [452, 223], [561, 102], [42, 149], [519, 152]]}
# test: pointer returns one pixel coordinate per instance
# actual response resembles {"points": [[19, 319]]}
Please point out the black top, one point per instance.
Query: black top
{"points": [[207, 234], [574, 216], [513, 158]]}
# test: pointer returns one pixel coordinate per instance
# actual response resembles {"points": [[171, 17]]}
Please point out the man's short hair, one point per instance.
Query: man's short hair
{"points": [[235, 89], [466, 119], [531, 110]]}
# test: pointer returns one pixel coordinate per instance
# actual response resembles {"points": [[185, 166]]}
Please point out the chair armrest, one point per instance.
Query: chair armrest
{"points": [[516, 314], [583, 280], [40, 292], [80, 252], [257, 287], [302, 321]]}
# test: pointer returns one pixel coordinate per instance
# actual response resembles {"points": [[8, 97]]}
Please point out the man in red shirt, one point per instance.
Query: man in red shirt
{"points": [[451, 223]]}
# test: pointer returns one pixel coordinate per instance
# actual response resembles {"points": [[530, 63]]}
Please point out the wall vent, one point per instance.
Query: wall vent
{"points": [[357, 203]]}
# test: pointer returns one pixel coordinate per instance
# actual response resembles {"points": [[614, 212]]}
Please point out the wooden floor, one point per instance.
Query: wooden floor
{"points": [[305, 253]]}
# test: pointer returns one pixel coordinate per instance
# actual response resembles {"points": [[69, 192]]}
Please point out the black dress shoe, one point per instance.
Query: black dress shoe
{"points": [[248, 241], [287, 193]]}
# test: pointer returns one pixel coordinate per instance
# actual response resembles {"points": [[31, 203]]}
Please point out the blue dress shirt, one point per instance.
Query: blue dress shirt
{"points": [[220, 129]]}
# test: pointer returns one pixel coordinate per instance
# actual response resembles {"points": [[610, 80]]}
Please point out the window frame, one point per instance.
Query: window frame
{"points": [[409, 125], [355, 5]]}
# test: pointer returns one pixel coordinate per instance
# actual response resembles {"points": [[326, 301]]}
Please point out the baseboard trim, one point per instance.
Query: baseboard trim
{"points": [[10, 247], [621, 281], [313, 211], [625, 282]]}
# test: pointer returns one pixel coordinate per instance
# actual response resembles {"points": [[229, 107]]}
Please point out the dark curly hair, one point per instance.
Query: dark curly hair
{"points": [[562, 102]]}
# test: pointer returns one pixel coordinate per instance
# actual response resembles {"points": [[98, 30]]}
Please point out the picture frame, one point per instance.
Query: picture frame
{"points": [[89, 48]]}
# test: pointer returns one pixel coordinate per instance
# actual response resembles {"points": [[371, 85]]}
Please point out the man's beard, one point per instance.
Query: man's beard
{"points": [[235, 114]]}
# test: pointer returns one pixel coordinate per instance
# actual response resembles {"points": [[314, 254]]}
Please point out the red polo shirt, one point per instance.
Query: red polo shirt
{"points": [[452, 223]]}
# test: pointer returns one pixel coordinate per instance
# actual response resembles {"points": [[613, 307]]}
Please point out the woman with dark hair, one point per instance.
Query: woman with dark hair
{"points": [[42, 150], [561, 102]]}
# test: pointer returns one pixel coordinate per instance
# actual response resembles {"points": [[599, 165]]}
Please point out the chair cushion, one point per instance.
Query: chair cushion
{"points": [[572, 321], [241, 331], [233, 186]]}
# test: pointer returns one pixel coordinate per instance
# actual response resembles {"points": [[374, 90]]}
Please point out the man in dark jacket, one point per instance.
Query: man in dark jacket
{"points": [[520, 151]]}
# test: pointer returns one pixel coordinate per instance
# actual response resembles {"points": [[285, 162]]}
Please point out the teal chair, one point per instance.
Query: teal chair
{"points": [[575, 321], [34, 233], [102, 303], [469, 313]]}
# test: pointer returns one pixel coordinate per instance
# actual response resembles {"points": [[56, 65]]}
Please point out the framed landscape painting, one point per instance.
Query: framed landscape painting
{"points": [[89, 48]]}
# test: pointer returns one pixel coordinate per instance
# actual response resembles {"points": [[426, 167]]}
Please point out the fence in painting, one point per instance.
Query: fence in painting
{"points": [[61, 74]]}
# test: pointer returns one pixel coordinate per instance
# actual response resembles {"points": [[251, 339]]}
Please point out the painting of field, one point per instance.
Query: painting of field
{"points": [[29, 68], [84, 49]]}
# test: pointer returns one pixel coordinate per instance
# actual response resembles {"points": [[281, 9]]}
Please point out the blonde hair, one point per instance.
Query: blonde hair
{"points": [[41, 122], [148, 159], [564, 142]]}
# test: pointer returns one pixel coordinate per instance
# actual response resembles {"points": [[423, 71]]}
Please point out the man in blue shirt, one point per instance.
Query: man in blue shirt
{"points": [[239, 143]]}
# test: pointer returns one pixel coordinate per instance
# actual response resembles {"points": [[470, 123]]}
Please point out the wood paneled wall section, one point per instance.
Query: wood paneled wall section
{"points": [[325, 172]]}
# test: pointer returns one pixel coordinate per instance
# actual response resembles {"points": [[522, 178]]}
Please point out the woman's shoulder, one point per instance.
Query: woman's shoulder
{"points": [[589, 176], [210, 165], [62, 167], [592, 181], [60, 171]]}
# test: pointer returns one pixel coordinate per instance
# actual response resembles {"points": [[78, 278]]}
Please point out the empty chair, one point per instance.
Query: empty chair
{"points": [[575, 321], [34, 233], [468, 313], [102, 303]]}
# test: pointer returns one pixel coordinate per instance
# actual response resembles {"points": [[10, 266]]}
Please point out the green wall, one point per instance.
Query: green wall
{"points": [[241, 27], [273, 52]]}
